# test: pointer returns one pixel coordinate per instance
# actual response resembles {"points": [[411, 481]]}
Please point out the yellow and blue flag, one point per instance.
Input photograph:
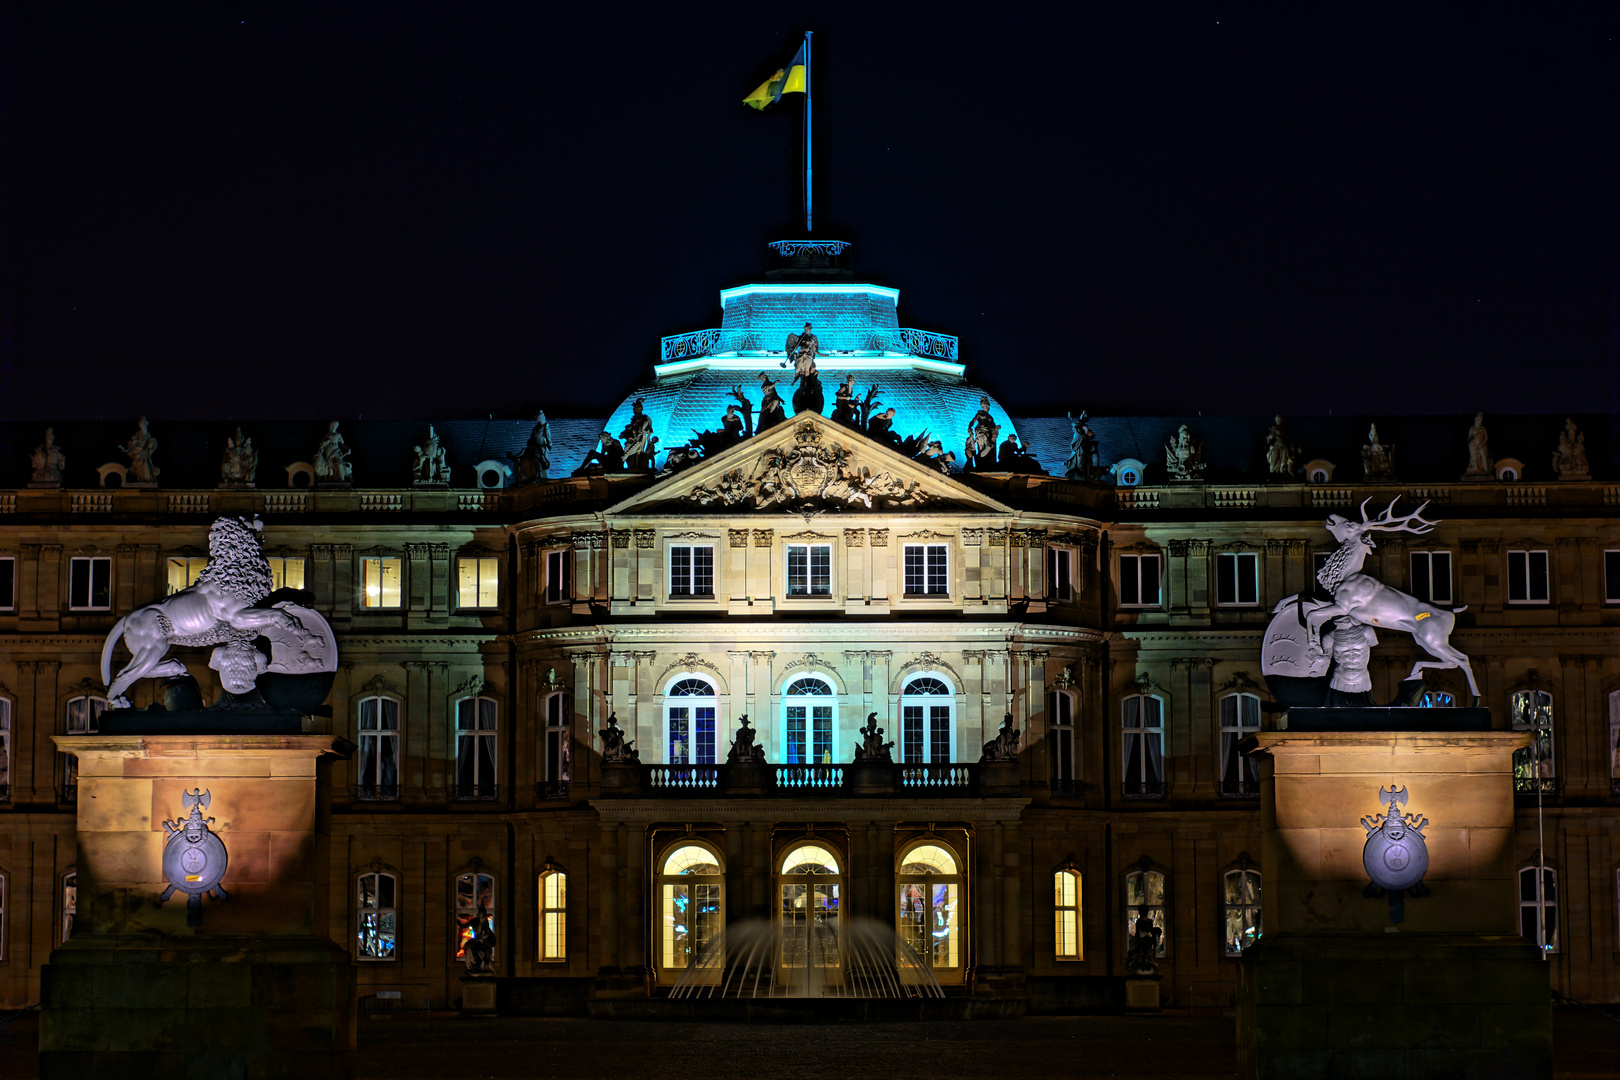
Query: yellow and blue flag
{"points": [[788, 80]]}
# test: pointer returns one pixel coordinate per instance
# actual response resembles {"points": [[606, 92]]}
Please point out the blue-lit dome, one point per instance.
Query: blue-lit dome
{"points": [[859, 333]]}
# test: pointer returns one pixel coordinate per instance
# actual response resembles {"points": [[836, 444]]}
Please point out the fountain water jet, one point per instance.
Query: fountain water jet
{"points": [[839, 958]]}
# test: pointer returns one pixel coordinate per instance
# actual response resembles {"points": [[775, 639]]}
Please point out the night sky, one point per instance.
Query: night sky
{"points": [[397, 211]]}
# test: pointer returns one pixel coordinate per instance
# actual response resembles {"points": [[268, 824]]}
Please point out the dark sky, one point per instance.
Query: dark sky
{"points": [[279, 210]]}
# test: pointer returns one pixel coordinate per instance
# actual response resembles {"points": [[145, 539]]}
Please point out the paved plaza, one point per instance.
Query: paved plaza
{"points": [[447, 1047]]}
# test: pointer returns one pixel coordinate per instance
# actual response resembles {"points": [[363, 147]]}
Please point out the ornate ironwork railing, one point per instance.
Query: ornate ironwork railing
{"points": [[376, 792], [551, 790], [923, 343], [1147, 789], [834, 341], [1240, 789], [690, 346], [789, 248], [1065, 789], [664, 778], [477, 791], [796, 777]]}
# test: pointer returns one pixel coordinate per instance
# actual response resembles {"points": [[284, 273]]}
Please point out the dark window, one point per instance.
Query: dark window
{"points": [[1431, 576], [1611, 577], [558, 714], [475, 748], [558, 564], [90, 584], [1527, 577], [1057, 574], [809, 570], [925, 725], [1139, 580], [8, 584], [1237, 578], [926, 570], [1060, 715], [691, 570]]}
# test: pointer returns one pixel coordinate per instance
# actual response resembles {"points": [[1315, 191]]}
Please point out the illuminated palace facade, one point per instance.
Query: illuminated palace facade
{"points": [[807, 577]]}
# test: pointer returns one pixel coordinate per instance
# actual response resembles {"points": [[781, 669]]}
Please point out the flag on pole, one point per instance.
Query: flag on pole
{"points": [[788, 80]]}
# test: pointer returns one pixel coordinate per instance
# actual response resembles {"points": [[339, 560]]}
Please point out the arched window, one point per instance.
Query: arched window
{"points": [[475, 748], [810, 893], [692, 906], [1060, 741], [1144, 898], [553, 914], [1538, 906], [1241, 903], [475, 907], [927, 703], [1142, 746], [376, 915], [1240, 718], [377, 761], [1533, 767], [83, 718], [70, 901], [809, 718], [689, 710], [1066, 906], [931, 916], [559, 712]]}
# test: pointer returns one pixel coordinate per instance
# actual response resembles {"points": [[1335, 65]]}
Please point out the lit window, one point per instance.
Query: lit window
{"points": [[1139, 581], [1242, 907], [2, 917], [810, 886], [1527, 577], [1059, 583], [553, 915], [476, 583], [184, 572], [1240, 718], [1438, 699], [689, 712], [927, 570], [1538, 907], [930, 918], [379, 582], [691, 570], [83, 718], [1614, 741], [558, 565], [1142, 745], [1066, 904], [286, 573], [475, 909], [70, 902], [558, 715], [376, 917], [1533, 767], [1611, 578], [1237, 578], [90, 584], [691, 891], [926, 707], [8, 584], [475, 748], [1144, 899], [808, 709], [809, 570], [1060, 719], [1431, 576], [5, 756], [378, 757]]}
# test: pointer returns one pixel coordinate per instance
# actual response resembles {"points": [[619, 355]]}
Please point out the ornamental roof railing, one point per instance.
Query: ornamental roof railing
{"points": [[880, 341]]}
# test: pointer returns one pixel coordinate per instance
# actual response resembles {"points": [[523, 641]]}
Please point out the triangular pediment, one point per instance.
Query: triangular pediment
{"points": [[808, 463]]}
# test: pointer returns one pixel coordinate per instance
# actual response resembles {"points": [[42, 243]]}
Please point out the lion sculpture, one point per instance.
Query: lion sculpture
{"points": [[218, 610]]}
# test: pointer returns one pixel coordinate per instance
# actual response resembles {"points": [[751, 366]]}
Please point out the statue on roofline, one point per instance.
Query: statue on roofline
{"points": [[640, 444], [332, 458], [1569, 459], [983, 432], [1184, 456], [48, 461], [240, 463], [140, 448], [1377, 460], [1480, 465], [1281, 453], [535, 461]]}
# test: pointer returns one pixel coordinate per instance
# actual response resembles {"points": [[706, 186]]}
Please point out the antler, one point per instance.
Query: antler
{"points": [[1387, 522]]}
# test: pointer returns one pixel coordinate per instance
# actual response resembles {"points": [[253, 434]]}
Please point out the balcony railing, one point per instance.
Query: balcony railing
{"points": [[1068, 788], [683, 779], [476, 791], [1146, 789], [936, 776], [551, 790], [834, 342], [1240, 789], [809, 777], [667, 781], [376, 792], [1530, 785]]}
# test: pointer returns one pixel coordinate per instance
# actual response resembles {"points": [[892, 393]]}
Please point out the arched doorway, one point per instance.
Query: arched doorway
{"points": [[810, 895], [692, 909], [932, 914]]}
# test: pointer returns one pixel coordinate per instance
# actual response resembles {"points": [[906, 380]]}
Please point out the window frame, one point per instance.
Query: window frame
{"points": [[1257, 908], [1137, 559], [279, 567], [1159, 913], [692, 702], [557, 716], [68, 769], [479, 559], [1060, 585], [6, 709], [1145, 731], [1613, 698], [809, 577], [378, 910], [1541, 755], [807, 747], [458, 942], [952, 973], [557, 587], [1611, 575], [90, 562], [1428, 557], [552, 919], [1546, 559], [1237, 560], [1063, 769], [930, 552], [664, 883], [8, 584], [480, 789], [190, 568], [810, 916], [1074, 931], [928, 720], [1242, 787], [691, 572], [379, 791], [382, 562], [1540, 904]]}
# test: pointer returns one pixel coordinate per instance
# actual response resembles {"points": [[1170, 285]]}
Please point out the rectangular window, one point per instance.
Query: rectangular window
{"points": [[183, 572], [5, 756], [558, 565], [379, 582], [1060, 715], [477, 582], [1139, 581], [554, 915], [376, 916], [927, 570], [1538, 907], [809, 734], [809, 570], [90, 584], [926, 734], [691, 570], [1431, 576], [1242, 907], [475, 748], [378, 756], [1534, 767], [475, 910], [286, 573], [1237, 578], [1058, 582], [1611, 578], [1066, 904], [558, 715], [1240, 718], [8, 584], [1142, 745], [1527, 577], [1144, 899]]}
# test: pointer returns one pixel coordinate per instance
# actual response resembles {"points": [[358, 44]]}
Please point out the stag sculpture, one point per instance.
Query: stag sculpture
{"points": [[1363, 598]]}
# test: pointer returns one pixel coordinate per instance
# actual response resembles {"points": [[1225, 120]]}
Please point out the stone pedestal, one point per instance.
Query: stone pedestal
{"points": [[257, 990], [999, 778], [478, 995], [1142, 994], [621, 778], [868, 777], [1335, 985]]}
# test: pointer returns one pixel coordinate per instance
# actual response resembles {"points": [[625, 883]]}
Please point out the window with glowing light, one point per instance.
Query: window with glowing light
{"points": [[927, 708], [931, 914], [184, 572], [690, 705], [377, 760], [1534, 768], [809, 718], [475, 747], [380, 582], [475, 909], [286, 573], [1241, 904], [477, 582], [809, 569], [810, 883], [1538, 907], [692, 907], [83, 718], [553, 915], [376, 916], [1144, 898], [1066, 914]]}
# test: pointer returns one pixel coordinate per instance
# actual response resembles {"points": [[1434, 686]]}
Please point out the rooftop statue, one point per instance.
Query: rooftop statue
{"points": [[640, 444], [1184, 456], [801, 353], [227, 607], [868, 405], [983, 432], [1569, 460], [47, 460], [881, 429], [1293, 646], [608, 455], [535, 461], [771, 411], [844, 406], [1282, 456], [747, 408], [240, 463], [140, 448], [1083, 463], [1480, 465], [1377, 460], [332, 458], [432, 463], [1016, 458]]}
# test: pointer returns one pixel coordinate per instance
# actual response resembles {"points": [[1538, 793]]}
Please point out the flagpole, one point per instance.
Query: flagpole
{"points": [[809, 172]]}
